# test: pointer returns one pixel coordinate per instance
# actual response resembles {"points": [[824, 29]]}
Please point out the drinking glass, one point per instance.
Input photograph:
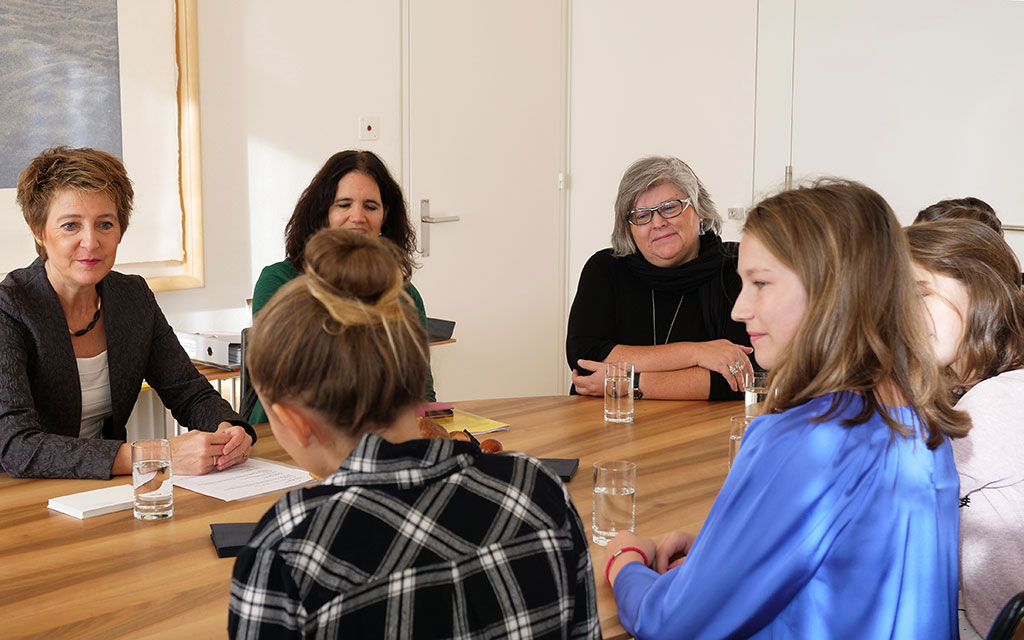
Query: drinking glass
{"points": [[614, 499], [738, 427], [618, 392], [756, 383], [152, 480]]}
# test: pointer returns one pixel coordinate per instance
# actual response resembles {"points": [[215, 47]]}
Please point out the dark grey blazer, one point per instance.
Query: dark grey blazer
{"points": [[40, 391]]}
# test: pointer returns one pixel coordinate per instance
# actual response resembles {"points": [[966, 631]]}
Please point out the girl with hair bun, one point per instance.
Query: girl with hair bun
{"points": [[405, 536], [839, 516], [969, 278]]}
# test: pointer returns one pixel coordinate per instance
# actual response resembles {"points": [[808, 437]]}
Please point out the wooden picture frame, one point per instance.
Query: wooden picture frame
{"points": [[158, 67], [189, 272]]}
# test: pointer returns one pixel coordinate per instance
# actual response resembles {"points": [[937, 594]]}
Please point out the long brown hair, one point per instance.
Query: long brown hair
{"points": [[970, 207], [978, 257], [343, 339], [310, 214], [864, 330]]}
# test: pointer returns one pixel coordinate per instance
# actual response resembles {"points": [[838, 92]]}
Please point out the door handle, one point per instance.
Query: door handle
{"points": [[427, 219]]}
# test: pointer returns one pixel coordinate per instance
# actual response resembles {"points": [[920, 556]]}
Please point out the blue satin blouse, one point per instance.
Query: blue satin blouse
{"points": [[820, 531]]}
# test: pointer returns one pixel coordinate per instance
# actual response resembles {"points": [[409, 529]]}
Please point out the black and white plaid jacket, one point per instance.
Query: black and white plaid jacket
{"points": [[427, 539]]}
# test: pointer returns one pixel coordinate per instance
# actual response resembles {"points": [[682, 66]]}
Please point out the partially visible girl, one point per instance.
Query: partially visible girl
{"points": [[970, 280]]}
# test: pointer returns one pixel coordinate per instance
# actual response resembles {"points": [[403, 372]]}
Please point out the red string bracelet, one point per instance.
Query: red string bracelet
{"points": [[608, 569]]}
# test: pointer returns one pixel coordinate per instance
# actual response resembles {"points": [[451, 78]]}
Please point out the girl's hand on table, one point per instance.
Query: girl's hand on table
{"points": [[621, 541], [672, 550]]}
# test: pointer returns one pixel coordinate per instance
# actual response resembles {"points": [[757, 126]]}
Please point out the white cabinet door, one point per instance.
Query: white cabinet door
{"points": [[920, 99], [484, 142]]}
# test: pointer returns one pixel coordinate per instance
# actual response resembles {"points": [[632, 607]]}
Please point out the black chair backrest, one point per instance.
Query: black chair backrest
{"points": [[1009, 624], [248, 393]]}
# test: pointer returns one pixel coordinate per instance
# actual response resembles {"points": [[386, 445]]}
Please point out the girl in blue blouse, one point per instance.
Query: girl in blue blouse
{"points": [[839, 516]]}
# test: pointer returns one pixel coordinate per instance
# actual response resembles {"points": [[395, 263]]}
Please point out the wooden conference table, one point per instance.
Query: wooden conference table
{"points": [[113, 576]]}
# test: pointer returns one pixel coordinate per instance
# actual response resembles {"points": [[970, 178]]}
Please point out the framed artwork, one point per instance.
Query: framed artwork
{"points": [[118, 76]]}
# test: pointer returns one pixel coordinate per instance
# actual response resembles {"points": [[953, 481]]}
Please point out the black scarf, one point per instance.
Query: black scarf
{"points": [[687, 277]]}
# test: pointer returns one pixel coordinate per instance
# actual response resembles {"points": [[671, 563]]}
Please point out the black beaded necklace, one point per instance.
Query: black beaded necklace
{"points": [[95, 319]]}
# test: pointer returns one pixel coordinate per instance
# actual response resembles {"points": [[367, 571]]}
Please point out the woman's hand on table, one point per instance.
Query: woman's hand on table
{"points": [[672, 550], [622, 540], [727, 358], [589, 384], [236, 451], [198, 452]]}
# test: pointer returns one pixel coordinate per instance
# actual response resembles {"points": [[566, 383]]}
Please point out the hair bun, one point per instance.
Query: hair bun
{"points": [[353, 265]]}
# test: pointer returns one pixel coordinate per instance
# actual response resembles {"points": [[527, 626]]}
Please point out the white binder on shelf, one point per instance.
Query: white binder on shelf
{"points": [[218, 349]]}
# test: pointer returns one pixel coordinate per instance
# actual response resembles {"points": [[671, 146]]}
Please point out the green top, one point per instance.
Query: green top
{"points": [[273, 278]]}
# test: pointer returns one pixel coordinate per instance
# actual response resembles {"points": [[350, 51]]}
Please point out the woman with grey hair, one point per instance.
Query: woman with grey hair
{"points": [[661, 296]]}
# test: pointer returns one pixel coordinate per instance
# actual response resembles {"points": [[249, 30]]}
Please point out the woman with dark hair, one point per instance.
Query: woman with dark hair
{"points": [[968, 278], [77, 338], [839, 516], [660, 296], [353, 190], [405, 537], [970, 208]]}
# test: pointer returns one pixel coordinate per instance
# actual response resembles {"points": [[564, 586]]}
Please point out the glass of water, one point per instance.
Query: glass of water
{"points": [[738, 427], [152, 480], [614, 499], [756, 383], [618, 392]]}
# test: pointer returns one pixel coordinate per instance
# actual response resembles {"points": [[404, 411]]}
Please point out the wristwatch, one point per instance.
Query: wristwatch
{"points": [[637, 393]]}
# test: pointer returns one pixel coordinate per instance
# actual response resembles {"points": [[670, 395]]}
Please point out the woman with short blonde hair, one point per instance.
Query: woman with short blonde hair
{"points": [[77, 339]]}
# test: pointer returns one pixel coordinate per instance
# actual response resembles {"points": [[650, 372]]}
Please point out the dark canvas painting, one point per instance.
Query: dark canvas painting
{"points": [[59, 79]]}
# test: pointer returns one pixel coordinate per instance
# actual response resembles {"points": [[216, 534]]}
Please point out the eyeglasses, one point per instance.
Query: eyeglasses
{"points": [[666, 210]]}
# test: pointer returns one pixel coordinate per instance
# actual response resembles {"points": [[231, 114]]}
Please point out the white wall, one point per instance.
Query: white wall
{"points": [[666, 78], [920, 99], [282, 86]]}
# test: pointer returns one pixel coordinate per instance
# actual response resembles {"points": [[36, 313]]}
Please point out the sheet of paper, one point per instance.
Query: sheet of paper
{"points": [[471, 422], [252, 478]]}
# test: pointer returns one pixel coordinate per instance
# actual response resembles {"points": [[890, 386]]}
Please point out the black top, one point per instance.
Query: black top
{"points": [[613, 306], [40, 389]]}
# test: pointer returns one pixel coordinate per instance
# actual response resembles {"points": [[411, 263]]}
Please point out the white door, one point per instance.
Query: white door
{"points": [[484, 141]]}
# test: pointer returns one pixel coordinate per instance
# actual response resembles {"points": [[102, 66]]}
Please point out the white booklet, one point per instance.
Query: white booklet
{"points": [[94, 503], [254, 477]]}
